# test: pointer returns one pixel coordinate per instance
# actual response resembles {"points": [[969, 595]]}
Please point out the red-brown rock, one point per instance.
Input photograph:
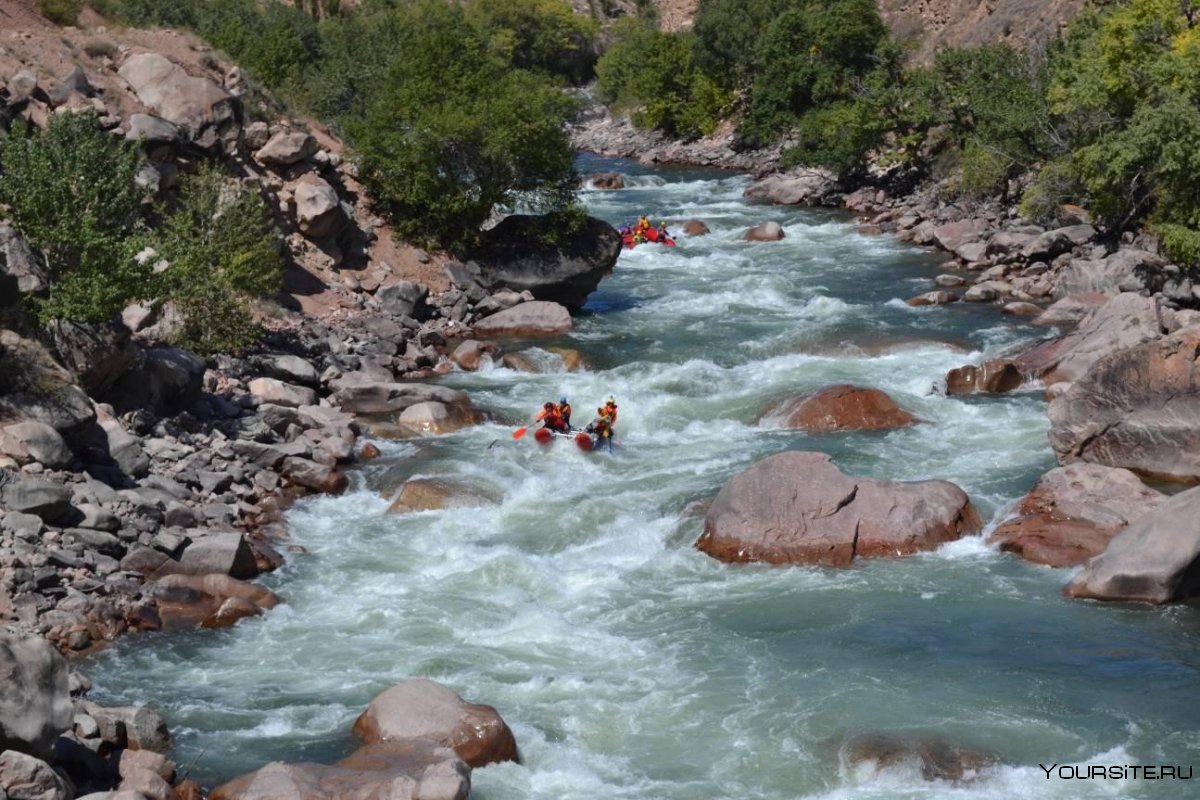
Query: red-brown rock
{"points": [[996, 375], [422, 709], [842, 407], [208, 601], [798, 508], [695, 227], [1073, 512]]}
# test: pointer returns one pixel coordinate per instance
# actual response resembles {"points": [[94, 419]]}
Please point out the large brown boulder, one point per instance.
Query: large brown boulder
{"points": [[798, 508], [517, 255], [539, 318], [364, 393], [1155, 560], [933, 759], [1126, 320], [1072, 512], [842, 407], [1137, 408], [769, 231], [422, 709], [433, 418]]}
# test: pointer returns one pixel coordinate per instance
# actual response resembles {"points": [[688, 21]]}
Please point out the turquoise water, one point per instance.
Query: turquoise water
{"points": [[629, 664]]}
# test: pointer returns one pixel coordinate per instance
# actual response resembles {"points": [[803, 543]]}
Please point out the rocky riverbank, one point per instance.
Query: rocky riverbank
{"points": [[1118, 362]]}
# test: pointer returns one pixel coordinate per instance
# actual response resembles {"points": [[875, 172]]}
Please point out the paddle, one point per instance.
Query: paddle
{"points": [[519, 432]]}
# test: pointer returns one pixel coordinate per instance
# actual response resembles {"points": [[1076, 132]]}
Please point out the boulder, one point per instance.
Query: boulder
{"points": [[1156, 559], [206, 553], [363, 393], [798, 508], [430, 494], [695, 227], [1051, 244], [207, 601], [1069, 310], [272, 390], [23, 776], [1124, 321], [37, 496], [765, 232], [1072, 512], [125, 449], [607, 180], [1128, 269], [35, 441], [34, 387], [134, 727], [994, 376], [842, 407], [434, 418], [35, 702], [403, 298], [286, 148], [470, 354], [322, 478], [290, 368], [20, 266], [204, 112], [167, 381], [805, 186], [869, 755], [319, 213], [1136, 408], [1021, 309], [952, 236], [538, 318], [410, 770], [938, 298], [422, 709], [514, 255], [97, 354], [151, 130]]}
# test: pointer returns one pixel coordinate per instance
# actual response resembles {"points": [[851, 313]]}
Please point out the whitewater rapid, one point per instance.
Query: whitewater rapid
{"points": [[630, 665]]}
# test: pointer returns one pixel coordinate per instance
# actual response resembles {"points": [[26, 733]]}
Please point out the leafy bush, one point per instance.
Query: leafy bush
{"points": [[62, 12], [71, 191], [727, 35], [223, 251]]}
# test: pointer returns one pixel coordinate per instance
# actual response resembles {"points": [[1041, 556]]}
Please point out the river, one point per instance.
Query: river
{"points": [[630, 665]]}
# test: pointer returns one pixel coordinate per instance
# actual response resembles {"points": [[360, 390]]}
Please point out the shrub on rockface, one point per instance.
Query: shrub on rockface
{"points": [[222, 252], [71, 191], [62, 12]]}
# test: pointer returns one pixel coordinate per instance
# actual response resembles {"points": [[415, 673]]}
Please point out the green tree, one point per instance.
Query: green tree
{"points": [[72, 192], [654, 74], [542, 35], [456, 132], [64, 12], [809, 56]]}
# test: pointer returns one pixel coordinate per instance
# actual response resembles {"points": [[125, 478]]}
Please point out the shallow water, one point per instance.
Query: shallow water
{"points": [[629, 664]]}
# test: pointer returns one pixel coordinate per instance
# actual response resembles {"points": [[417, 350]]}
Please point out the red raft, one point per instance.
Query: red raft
{"points": [[582, 439], [651, 235]]}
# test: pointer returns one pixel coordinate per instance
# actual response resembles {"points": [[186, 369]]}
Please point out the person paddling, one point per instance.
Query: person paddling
{"points": [[564, 412], [550, 418]]}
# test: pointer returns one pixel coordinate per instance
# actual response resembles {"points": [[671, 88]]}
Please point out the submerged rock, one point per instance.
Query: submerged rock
{"points": [[933, 759], [842, 407]]}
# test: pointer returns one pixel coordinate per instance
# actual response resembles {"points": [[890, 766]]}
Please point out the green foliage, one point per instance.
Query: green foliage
{"points": [[455, 131], [62, 12], [541, 35], [812, 55], [654, 73], [727, 35], [71, 191], [223, 251], [1126, 86]]}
